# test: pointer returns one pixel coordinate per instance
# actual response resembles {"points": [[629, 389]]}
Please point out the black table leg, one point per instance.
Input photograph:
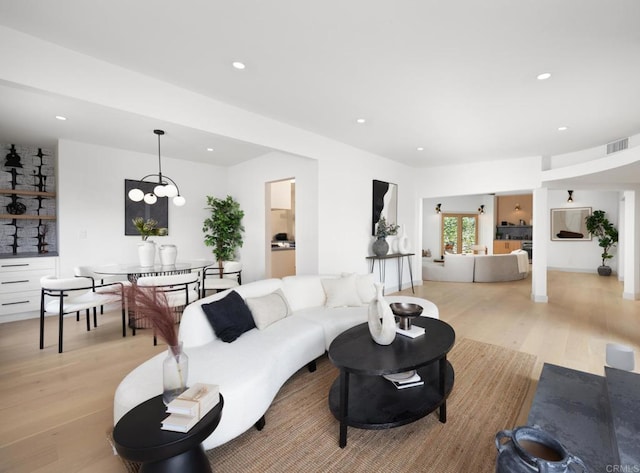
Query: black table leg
{"points": [[410, 274], [344, 407], [443, 377]]}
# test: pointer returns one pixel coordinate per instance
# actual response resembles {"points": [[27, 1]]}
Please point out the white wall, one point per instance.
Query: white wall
{"points": [[345, 208], [247, 184], [91, 204], [581, 256], [480, 178]]}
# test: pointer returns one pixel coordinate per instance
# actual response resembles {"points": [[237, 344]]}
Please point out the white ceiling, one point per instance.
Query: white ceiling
{"points": [[455, 77]]}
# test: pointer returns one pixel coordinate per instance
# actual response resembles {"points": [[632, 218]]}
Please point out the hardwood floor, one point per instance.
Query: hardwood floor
{"points": [[56, 409]]}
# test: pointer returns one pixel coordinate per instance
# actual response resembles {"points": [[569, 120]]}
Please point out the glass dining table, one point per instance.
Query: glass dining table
{"points": [[135, 271]]}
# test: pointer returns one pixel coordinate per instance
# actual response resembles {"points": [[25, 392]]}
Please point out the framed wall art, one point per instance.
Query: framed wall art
{"points": [[385, 203], [568, 224], [158, 211]]}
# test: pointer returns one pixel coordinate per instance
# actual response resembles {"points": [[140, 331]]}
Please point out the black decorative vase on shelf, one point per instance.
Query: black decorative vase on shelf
{"points": [[380, 247]]}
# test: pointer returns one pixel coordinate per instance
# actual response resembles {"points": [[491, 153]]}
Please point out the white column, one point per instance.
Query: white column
{"points": [[540, 241], [630, 242]]}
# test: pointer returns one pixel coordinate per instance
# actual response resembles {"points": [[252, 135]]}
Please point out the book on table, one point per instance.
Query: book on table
{"points": [[189, 407], [179, 423], [405, 379]]}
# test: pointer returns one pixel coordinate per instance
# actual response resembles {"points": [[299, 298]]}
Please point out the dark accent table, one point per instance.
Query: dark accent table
{"points": [[139, 438], [360, 397], [382, 266]]}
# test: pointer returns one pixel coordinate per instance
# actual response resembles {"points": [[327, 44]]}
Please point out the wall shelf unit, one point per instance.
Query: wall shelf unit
{"points": [[27, 192], [28, 207], [27, 217]]}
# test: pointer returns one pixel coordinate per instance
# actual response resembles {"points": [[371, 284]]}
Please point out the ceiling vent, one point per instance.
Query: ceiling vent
{"points": [[616, 146]]}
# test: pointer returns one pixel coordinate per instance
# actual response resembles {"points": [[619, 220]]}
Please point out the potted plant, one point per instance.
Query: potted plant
{"points": [[147, 249], [223, 229], [600, 227], [380, 246]]}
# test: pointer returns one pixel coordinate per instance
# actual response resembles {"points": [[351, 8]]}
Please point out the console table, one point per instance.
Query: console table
{"points": [[382, 269]]}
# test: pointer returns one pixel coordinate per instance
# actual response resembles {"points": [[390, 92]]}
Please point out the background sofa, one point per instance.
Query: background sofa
{"points": [[477, 268], [251, 369]]}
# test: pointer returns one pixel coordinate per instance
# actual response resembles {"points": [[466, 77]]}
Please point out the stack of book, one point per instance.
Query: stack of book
{"points": [[406, 379], [192, 405]]}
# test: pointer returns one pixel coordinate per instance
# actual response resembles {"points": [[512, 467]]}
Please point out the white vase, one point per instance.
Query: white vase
{"points": [[382, 323], [175, 371], [168, 255], [403, 243], [147, 253]]}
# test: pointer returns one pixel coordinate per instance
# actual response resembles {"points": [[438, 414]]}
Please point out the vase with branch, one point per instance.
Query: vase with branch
{"points": [[147, 249], [152, 305], [383, 229]]}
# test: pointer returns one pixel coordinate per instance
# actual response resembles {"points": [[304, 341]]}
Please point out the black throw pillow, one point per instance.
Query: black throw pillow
{"points": [[230, 316]]}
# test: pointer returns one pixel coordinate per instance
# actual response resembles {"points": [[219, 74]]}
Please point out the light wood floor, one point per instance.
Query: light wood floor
{"points": [[56, 410]]}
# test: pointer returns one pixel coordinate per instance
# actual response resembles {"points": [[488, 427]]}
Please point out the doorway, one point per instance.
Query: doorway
{"points": [[280, 228], [459, 233]]}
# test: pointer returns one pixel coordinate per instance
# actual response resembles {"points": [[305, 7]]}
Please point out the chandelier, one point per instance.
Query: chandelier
{"points": [[166, 187]]}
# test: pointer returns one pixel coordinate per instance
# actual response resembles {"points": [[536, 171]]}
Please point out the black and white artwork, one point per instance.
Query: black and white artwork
{"points": [[158, 211], [385, 203]]}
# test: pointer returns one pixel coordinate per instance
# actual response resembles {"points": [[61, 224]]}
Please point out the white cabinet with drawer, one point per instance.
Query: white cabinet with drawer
{"points": [[20, 285]]}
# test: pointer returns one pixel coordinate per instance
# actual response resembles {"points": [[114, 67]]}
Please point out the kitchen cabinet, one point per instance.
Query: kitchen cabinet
{"points": [[283, 263], [20, 285], [501, 247]]}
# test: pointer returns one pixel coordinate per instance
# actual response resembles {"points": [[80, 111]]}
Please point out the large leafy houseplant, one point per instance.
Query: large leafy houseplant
{"points": [[223, 229], [599, 226]]}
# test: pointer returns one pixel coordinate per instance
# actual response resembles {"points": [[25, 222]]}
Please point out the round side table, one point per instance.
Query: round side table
{"points": [[138, 437]]}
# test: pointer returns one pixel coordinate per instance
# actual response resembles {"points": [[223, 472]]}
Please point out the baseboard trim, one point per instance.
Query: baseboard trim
{"points": [[630, 296]]}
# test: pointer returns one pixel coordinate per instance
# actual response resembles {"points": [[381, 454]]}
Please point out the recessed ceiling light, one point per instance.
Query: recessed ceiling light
{"points": [[238, 65], [544, 76], [60, 117], [361, 120], [420, 148], [209, 149], [563, 128]]}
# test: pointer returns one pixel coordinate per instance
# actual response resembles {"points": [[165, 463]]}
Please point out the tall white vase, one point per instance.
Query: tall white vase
{"points": [[382, 323], [403, 242], [147, 253]]}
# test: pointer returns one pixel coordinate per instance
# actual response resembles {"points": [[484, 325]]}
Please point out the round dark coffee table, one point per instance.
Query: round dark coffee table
{"points": [[360, 397], [138, 437]]}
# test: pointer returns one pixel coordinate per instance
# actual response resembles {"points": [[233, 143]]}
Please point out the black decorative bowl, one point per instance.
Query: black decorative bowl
{"points": [[405, 311]]}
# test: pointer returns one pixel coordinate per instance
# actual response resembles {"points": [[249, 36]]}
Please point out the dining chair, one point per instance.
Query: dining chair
{"points": [[213, 280], [100, 280], [179, 289], [64, 296]]}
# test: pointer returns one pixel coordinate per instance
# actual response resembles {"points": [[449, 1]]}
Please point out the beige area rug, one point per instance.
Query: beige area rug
{"points": [[301, 434]]}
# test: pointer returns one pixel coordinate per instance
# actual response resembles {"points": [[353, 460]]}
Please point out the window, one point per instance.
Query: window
{"points": [[459, 233]]}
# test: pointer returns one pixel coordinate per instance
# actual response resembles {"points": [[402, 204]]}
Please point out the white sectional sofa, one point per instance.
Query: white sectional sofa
{"points": [[251, 369], [477, 268]]}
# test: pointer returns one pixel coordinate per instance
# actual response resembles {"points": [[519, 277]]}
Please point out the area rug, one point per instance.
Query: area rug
{"points": [[301, 434]]}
